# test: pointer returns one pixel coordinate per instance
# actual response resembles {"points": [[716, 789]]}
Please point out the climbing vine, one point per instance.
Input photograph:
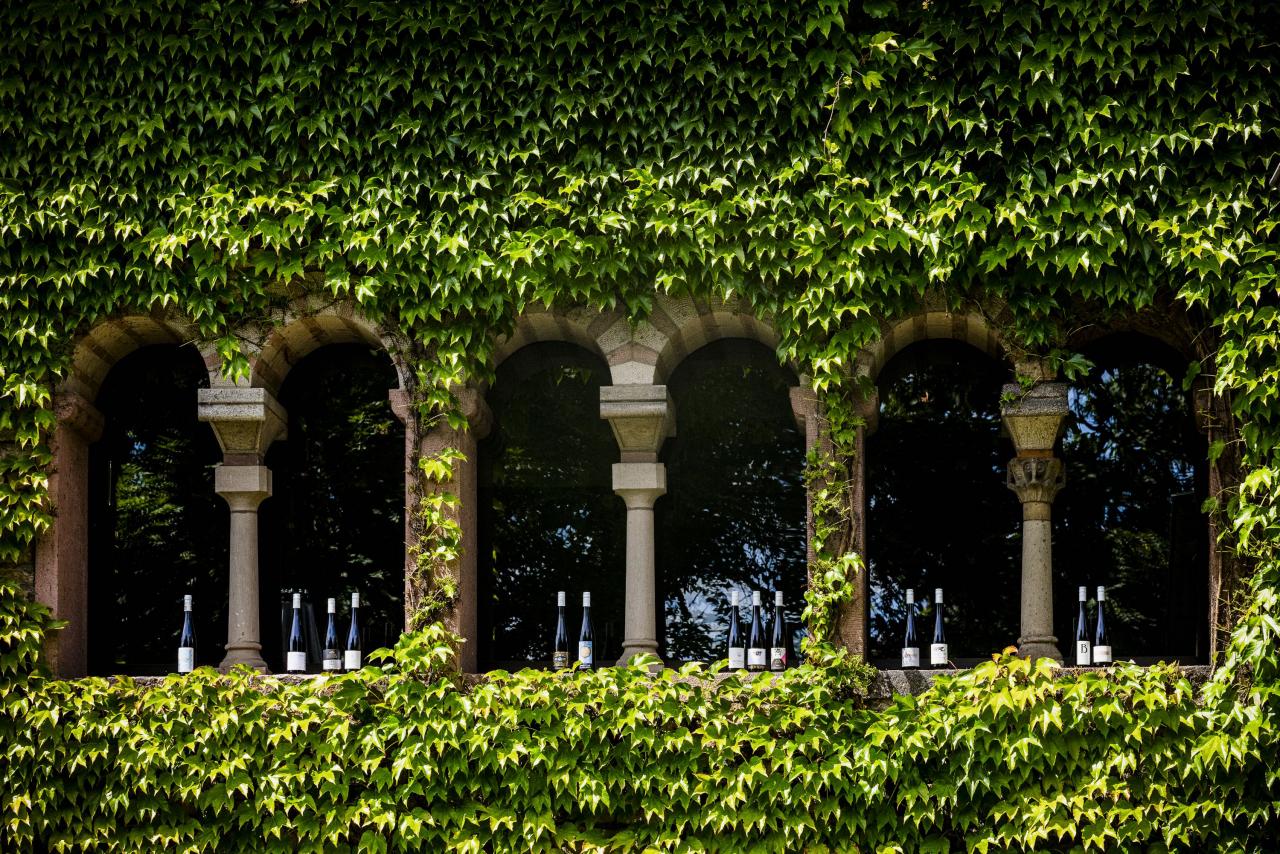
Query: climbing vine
{"points": [[445, 167]]}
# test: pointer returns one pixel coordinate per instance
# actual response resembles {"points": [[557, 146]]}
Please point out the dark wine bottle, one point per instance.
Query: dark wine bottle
{"points": [[352, 657], [737, 651], [938, 656], [186, 639], [911, 646], [586, 637], [296, 658], [1101, 643], [560, 647], [1083, 658], [331, 658], [778, 643], [757, 654]]}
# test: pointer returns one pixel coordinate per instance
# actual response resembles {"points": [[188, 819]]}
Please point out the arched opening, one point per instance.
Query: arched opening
{"points": [[548, 517], [733, 517], [335, 521], [1130, 515], [939, 512], [157, 530]]}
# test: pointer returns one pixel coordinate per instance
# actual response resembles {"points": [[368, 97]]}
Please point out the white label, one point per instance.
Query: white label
{"points": [[186, 659], [757, 658], [351, 659], [1082, 654], [585, 657], [910, 656], [1102, 655], [938, 655], [777, 658], [560, 660], [331, 660], [296, 661], [737, 657]]}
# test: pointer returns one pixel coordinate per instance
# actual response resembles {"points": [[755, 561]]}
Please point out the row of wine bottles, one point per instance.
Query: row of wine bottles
{"points": [[1096, 651], [1099, 650], [333, 658], [754, 656], [586, 637], [938, 652]]}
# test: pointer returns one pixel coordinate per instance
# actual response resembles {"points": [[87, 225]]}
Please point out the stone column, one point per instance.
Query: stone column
{"points": [[1035, 419], [640, 485], [246, 422], [642, 417], [243, 488], [62, 552]]}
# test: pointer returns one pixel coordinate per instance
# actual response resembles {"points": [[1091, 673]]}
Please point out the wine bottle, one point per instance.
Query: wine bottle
{"points": [[911, 646], [1101, 644], [778, 644], [737, 652], [186, 639], [352, 659], [938, 656], [586, 637], [1082, 634], [296, 659], [560, 647], [331, 658], [757, 655]]}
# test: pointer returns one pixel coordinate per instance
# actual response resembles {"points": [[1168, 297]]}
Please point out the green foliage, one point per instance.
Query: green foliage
{"points": [[446, 166]]}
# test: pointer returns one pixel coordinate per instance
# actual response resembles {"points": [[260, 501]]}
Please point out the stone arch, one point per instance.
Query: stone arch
{"points": [[62, 551], [969, 327], [577, 326], [106, 343], [686, 325], [306, 327]]}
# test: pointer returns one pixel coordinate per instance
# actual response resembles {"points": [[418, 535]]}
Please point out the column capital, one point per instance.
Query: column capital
{"points": [[642, 417], [77, 414], [1036, 480], [640, 484], [1035, 416], [245, 420], [477, 412], [243, 487]]}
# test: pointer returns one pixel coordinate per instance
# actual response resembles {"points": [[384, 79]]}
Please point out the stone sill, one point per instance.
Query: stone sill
{"points": [[884, 686]]}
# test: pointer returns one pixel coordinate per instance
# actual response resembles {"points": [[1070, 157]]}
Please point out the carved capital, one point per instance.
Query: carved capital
{"points": [[477, 412], [1036, 479], [642, 417], [245, 420]]}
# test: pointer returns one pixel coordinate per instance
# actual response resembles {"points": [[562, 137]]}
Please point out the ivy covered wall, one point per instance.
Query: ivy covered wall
{"points": [[445, 167]]}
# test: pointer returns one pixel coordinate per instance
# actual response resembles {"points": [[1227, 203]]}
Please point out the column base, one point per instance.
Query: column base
{"points": [[248, 653], [637, 646], [1039, 646]]}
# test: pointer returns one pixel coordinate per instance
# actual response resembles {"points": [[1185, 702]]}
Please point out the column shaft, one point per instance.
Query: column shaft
{"points": [[243, 488], [640, 485]]}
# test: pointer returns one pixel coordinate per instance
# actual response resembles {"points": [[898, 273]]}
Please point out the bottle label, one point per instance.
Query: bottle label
{"points": [[584, 654], [1102, 655], [560, 659], [1082, 654], [737, 657], [296, 661], [938, 655], [757, 658], [777, 658], [186, 659], [331, 660], [910, 656], [351, 659]]}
